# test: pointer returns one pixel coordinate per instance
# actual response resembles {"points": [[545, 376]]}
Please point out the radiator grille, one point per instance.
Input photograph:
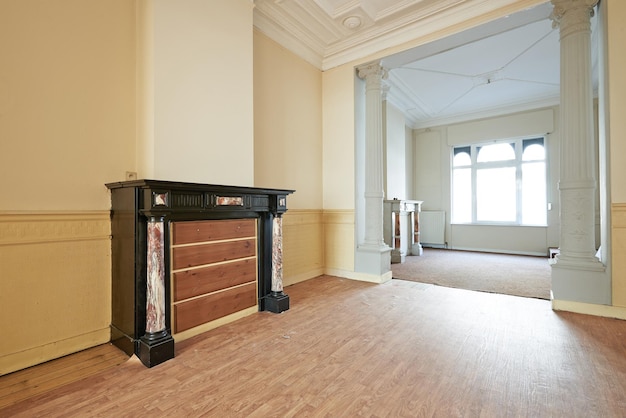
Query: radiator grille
{"points": [[433, 228]]}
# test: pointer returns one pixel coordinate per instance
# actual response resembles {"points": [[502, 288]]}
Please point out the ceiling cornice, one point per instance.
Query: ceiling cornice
{"points": [[444, 16], [284, 38]]}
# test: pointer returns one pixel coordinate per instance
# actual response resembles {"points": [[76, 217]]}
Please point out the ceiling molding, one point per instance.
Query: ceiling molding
{"points": [[281, 36], [488, 113], [314, 30], [449, 61]]}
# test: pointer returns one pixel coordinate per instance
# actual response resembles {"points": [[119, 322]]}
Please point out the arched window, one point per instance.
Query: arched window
{"points": [[502, 182], [496, 152]]}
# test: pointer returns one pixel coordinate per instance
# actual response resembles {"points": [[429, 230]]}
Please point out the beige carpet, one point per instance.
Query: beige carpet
{"points": [[515, 275]]}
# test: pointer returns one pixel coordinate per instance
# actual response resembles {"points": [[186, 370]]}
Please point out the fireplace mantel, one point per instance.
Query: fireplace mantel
{"points": [[142, 215]]}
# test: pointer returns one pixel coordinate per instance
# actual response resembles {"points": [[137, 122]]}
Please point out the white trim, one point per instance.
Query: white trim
{"points": [[363, 277], [497, 251], [606, 311]]}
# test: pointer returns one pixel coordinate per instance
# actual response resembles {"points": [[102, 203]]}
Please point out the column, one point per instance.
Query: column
{"points": [[277, 301], [416, 244], [156, 345], [373, 254], [577, 182]]}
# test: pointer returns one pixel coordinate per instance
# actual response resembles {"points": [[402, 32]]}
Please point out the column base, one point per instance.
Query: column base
{"points": [[397, 256], [417, 249], [155, 349], [581, 282], [374, 261], [277, 302]]}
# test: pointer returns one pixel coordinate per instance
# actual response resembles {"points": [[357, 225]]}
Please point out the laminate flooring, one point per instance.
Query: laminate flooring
{"points": [[348, 348]]}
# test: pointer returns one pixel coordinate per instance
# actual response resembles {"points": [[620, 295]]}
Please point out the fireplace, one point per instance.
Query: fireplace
{"points": [[185, 255]]}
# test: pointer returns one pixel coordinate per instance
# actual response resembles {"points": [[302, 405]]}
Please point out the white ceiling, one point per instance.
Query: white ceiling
{"points": [[507, 65]]}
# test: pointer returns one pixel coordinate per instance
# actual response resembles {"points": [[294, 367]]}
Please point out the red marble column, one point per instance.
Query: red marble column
{"points": [[277, 255], [155, 283]]}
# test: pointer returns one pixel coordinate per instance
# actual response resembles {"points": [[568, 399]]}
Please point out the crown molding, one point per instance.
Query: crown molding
{"points": [[287, 40], [443, 17]]}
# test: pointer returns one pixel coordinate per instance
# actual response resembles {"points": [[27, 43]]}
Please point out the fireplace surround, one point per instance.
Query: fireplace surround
{"points": [[165, 230]]}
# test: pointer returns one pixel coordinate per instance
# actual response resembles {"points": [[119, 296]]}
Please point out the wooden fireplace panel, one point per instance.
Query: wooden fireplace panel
{"points": [[194, 312], [196, 282], [202, 254], [204, 231]]}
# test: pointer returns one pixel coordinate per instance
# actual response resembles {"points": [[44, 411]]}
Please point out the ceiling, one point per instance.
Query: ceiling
{"points": [[510, 64]]}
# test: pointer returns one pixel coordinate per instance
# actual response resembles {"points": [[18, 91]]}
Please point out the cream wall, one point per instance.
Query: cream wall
{"points": [[429, 178], [616, 129], [67, 126], [338, 137], [338, 172], [287, 123], [288, 150], [55, 285], [89, 91], [616, 57], [197, 82], [67, 102]]}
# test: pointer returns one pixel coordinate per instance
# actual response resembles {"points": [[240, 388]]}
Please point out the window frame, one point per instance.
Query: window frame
{"points": [[519, 145]]}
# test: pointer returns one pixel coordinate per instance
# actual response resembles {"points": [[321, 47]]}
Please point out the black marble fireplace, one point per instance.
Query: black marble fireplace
{"points": [[192, 252]]}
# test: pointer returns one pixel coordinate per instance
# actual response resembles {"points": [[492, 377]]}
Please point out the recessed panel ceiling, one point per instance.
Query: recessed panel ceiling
{"points": [[516, 67], [489, 54], [509, 64], [433, 91], [499, 93], [375, 9]]}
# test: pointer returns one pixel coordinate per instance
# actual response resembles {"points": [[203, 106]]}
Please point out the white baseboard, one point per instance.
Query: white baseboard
{"points": [[607, 311], [363, 277]]}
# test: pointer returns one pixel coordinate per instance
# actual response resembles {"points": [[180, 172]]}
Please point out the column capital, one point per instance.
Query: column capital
{"points": [[372, 72], [572, 15]]}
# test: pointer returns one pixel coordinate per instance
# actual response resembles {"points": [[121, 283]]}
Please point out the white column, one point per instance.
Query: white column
{"points": [[373, 250], [577, 182], [373, 74]]}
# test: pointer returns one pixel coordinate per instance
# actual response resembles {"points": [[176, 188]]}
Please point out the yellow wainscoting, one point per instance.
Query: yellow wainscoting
{"points": [[303, 245], [55, 285], [618, 256], [339, 242]]}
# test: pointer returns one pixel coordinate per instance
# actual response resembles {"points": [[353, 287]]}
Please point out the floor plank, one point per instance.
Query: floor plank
{"points": [[27, 383], [348, 348]]}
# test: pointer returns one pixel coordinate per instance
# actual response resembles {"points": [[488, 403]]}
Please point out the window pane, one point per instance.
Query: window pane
{"points": [[461, 159], [495, 194], [534, 193], [496, 152], [534, 152], [462, 195]]}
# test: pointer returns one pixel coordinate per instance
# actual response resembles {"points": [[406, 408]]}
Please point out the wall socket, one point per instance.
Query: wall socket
{"points": [[131, 175]]}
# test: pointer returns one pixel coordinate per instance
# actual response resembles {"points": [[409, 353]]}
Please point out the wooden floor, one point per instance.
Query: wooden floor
{"points": [[348, 348], [28, 383]]}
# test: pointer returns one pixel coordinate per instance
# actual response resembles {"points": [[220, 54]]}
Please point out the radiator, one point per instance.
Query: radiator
{"points": [[432, 226]]}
